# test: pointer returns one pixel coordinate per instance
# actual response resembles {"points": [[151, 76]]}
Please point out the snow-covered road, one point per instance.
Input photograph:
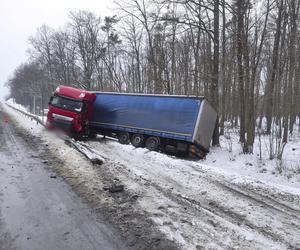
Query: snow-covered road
{"points": [[40, 212], [192, 204]]}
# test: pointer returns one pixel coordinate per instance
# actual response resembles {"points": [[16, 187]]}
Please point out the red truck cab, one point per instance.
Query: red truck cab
{"points": [[70, 110]]}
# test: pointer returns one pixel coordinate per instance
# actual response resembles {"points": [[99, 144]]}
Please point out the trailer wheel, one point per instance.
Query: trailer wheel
{"points": [[137, 140], [152, 143], [123, 138]]}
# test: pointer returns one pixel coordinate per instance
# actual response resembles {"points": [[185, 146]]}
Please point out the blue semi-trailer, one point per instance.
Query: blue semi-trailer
{"points": [[155, 121], [151, 121]]}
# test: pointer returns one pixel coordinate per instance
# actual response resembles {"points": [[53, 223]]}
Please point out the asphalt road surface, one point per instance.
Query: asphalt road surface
{"points": [[38, 211]]}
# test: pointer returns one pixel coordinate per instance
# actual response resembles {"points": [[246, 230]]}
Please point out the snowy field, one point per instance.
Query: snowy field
{"points": [[228, 200]]}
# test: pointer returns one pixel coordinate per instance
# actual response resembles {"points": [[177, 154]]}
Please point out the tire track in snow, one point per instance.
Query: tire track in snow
{"points": [[210, 215], [258, 197], [218, 214], [266, 208]]}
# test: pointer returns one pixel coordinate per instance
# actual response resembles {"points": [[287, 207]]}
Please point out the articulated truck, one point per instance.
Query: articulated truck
{"points": [[151, 121]]}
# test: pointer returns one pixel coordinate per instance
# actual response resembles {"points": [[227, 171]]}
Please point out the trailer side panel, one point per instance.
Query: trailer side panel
{"points": [[164, 116]]}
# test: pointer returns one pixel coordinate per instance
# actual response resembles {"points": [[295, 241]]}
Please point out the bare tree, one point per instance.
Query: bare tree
{"points": [[85, 31]]}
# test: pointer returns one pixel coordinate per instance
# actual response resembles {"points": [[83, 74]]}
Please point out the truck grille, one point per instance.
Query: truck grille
{"points": [[63, 124]]}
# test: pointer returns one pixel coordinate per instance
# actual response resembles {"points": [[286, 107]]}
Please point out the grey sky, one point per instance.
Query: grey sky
{"points": [[19, 19]]}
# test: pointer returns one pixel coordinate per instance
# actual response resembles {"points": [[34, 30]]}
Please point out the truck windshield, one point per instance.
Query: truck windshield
{"points": [[66, 103]]}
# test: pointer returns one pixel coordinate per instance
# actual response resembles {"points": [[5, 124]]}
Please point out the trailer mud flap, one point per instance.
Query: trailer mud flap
{"points": [[194, 151]]}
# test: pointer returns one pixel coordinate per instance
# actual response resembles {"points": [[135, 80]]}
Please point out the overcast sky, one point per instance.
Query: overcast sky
{"points": [[19, 19]]}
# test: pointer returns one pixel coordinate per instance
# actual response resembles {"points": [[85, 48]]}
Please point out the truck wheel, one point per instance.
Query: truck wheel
{"points": [[152, 143], [92, 135], [123, 138], [137, 140]]}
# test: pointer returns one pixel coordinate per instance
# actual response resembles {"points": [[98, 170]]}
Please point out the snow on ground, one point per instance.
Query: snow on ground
{"points": [[222, 196], [229, 200], [283, 174], [16, 105]]}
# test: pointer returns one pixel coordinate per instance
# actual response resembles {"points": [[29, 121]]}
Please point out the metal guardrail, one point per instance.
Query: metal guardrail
{"points": [[33, 117]]}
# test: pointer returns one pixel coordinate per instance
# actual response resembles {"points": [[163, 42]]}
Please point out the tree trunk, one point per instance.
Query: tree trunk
{"points": [[215, 75], [271, 82], [240, 28]]}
